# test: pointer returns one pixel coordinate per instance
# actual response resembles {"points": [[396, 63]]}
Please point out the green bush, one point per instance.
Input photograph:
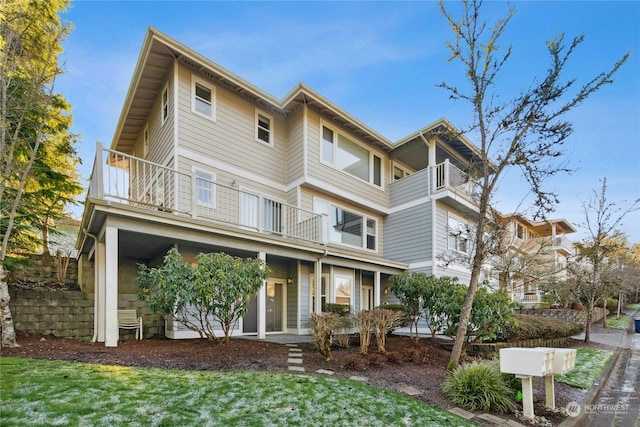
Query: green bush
{"points": [[342, 310], [548, 298], [479, 386], [529, 327], [612, 305]]}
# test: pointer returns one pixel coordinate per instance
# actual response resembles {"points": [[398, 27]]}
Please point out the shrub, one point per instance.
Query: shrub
{"points": [[375, 360], [355, 362], [548, 299], [342, 332], [576, 305], [417, 355], [383, 322], [394, 357], [323, 325], [529, 327], [365, 327], [479, 386], [342, 310], [612, 305]]}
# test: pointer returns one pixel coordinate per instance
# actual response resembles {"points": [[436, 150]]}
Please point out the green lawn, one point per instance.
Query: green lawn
{"points": [[633, 306], [590, 362], [621, 323], [49, 393]]}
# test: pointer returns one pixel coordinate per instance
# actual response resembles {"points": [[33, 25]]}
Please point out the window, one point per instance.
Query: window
{"points": [[165, 103], [205, 189], [264, 128], [203, 98], [399, 172], [343, 288], [347, 156], [521, 232], [323, 291], [348, 228], [458, 232], [272, 216], [145, 141]]}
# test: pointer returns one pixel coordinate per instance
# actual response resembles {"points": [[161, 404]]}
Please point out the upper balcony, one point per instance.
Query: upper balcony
{"points": [[128, 180], [443, 181]]}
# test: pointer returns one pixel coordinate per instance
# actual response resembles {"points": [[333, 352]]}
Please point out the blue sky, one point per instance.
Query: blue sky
{"points": [[380, 61]]}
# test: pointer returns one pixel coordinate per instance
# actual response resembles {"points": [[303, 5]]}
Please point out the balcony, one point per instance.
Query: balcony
{"points": [[120, 178], [453, 186]]}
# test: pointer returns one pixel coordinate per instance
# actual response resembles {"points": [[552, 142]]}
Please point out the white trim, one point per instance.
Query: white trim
{"points": [[176, 115], [196, 80], [305, 140], [271, 129], [337, 192]]}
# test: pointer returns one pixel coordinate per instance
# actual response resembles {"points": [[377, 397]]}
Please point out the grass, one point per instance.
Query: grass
{"points": [[39, 392], [590, 362], [633, 306], [621, 323]]}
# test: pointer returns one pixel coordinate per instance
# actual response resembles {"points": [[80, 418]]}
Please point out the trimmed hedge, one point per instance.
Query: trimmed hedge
{"points": [[530, 327]]}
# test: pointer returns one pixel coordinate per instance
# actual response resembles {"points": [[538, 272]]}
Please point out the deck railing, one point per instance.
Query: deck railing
{"points": [[447, 176], [122, 178]]}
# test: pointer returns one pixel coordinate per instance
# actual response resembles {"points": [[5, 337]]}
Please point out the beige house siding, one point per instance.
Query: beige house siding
{"points": [[231, 137], [295, 148], [342, 181]]}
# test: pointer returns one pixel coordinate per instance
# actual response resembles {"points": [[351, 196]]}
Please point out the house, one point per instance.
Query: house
{"points": [[202, 160], [536, 253]]}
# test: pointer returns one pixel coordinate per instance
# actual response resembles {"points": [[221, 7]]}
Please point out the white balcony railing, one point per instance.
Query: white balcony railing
{"points": [[121, 178], [448, 177]]}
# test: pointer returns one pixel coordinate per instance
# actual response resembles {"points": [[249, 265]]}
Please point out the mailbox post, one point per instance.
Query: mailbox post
{"points": [[526, 363]]}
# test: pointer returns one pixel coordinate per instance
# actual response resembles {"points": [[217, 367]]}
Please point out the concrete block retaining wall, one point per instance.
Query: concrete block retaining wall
{"points": [[575, 316], [70, 314]]}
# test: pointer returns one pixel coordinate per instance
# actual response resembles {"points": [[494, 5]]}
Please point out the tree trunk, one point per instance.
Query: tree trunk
{"points": [[604, 312], [465, 315], [8, 331], [587, 327]]}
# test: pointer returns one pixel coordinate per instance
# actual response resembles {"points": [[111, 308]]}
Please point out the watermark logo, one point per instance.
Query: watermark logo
{"points": [[573, 409]]}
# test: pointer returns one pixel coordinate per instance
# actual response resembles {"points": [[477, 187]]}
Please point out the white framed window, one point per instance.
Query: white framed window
{"points": [[145, 140], [205, 188], [346, 155], [264, 128], [399, 172], [343, 288], [323, 291], [165, 103], [347, 227], [203, 98], [521, 232], [458, 235]]}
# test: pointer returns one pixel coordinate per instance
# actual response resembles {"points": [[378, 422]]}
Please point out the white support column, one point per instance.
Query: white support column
{"points": [[100, 291], [111, 291], [527, 396], [317, 269], [550, 392], [262, 304], [376, 289]]}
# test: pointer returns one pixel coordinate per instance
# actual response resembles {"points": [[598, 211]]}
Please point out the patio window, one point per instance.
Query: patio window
{"points": [[205, 189], [343, 288], [347, 227], [458, 235]]}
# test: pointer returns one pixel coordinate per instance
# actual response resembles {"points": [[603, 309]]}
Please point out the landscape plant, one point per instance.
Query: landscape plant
{"points": [[479, 386], [323, 326], [411, 288], [384, 321], [216, 289], [365, 329]]}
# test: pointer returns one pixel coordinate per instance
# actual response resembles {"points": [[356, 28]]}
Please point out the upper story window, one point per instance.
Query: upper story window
{"points": [[347, 156], [264, 128], [165, 103], [458, 235], [399, 172], [521, 232], [205, 188], [347, 227], [203, 101]]}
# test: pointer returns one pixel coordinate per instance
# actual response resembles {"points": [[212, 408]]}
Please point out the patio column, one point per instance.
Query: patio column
{"points": [[262, 304], [100, 291], [111, 285], [376, 289], [317, 269]]}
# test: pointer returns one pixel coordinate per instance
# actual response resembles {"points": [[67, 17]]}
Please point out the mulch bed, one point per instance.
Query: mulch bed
{"points": [[421, 366]]}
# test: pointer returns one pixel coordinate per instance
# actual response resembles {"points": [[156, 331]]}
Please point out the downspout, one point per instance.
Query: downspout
{"points": [[95, 285]]}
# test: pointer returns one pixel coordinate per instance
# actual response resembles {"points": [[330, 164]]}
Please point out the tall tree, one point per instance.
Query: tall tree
{"points": [[31, 33], [595, 269], [527, 131]]}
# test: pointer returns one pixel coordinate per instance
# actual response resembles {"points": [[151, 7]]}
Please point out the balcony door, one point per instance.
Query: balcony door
{"points": [[260, 214], [275, 316]]}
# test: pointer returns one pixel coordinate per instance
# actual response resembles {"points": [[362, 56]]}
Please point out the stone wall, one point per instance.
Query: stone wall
{"points": [[575, 316], [70, 314], [42, 269]]}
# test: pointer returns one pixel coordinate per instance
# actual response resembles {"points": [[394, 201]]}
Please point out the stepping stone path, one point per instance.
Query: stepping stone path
{"points": [[295, 358]]}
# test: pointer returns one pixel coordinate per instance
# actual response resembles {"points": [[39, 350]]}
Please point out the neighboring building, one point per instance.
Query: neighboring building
{"points": [[205, 161], [537, 253]]}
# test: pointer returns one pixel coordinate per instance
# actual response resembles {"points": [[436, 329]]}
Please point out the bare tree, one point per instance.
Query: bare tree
{"points": [[527, 131], [594, 271]]}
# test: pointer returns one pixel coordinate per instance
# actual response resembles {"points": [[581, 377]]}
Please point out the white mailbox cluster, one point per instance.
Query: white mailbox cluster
{"points": [[537, 362]]}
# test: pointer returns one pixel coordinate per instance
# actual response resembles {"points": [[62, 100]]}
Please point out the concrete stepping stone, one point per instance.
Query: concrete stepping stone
{"points": [[295, 355], [357, 378], [324, 371], [410, 391], [294, 361], [291, 345], [296, 368], [462, 413], [295, 350], [492, 419]]}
